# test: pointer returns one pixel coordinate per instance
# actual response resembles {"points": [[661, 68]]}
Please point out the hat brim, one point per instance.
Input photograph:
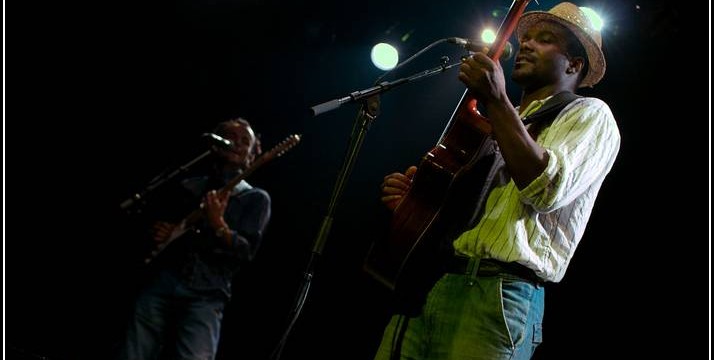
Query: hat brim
{"points": [[596, 58]]}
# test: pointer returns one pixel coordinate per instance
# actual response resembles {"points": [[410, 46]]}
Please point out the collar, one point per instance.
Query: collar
{"points": [[532, 107]]}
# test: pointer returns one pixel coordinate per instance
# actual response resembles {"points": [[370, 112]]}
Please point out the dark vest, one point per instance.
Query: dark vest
{"points": [[488, 170]]}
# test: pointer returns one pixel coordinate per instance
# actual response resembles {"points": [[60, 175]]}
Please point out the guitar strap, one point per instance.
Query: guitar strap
{"points": [[548, 112]]}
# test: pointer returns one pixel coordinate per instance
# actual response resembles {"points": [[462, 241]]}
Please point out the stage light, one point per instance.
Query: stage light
{"points": [[488, 36], [384, 56]]}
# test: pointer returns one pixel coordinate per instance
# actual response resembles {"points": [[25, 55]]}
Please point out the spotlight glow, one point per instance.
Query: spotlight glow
{"points": [[488, 36], [384, 56], [595, 19]]}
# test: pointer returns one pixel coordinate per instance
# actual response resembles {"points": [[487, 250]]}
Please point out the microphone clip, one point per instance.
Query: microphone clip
{"points": [[476, 46], [218, 141]]}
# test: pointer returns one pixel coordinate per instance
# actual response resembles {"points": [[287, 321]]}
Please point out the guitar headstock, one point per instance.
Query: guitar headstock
{"points": [[282, 147]]}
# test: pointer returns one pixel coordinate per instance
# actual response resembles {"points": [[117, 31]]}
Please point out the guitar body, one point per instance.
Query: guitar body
{"points": [[446, 196], [439, 205]]}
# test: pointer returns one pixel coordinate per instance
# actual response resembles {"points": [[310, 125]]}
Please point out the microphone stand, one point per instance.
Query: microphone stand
{"points": [[379, 88], [158, 181], [368, 111]]}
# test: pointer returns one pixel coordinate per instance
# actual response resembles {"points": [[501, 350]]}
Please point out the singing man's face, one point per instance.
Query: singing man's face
{"points": [[243, 138], [542, 57]]}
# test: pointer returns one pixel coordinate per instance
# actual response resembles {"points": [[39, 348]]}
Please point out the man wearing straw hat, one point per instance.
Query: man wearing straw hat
{"points": [[556, 150]]}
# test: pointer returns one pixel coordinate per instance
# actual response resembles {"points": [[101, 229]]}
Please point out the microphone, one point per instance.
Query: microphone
{"points": [[218, 141], [474, 46]]}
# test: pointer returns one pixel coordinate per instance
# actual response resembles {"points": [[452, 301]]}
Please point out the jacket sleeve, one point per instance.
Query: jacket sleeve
{"points": [[249, 224]]}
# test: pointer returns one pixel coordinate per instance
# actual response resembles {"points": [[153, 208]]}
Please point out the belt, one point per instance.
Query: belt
{"points": [[459, 264]]}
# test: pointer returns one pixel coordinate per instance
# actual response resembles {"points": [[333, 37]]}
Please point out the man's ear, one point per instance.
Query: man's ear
{"points": [[255, 151], [258, 146], [575, 65]]}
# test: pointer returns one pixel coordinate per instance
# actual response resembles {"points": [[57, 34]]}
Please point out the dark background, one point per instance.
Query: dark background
{"points": [[105, 96]]}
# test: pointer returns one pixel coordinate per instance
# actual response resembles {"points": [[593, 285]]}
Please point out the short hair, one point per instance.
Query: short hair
{"points": [[223, 126]]}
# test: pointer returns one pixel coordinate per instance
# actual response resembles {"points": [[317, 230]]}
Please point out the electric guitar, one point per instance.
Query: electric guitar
{"points": [[192, 219]]}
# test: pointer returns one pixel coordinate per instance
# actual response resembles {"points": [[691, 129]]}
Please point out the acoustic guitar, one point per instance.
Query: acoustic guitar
{"points": [[447, 189]]}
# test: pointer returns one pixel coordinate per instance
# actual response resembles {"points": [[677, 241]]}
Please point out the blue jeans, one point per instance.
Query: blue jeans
{"points": [[167, 309], [492, 318]]}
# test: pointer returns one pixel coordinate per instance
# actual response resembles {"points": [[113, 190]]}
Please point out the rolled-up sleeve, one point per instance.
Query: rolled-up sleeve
{"points": [[582, 144]]}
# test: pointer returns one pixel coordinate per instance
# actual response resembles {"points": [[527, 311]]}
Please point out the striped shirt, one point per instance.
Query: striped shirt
{"points": [[541, 225]]}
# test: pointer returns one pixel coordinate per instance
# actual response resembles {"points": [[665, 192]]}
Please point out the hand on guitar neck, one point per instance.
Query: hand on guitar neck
{"points": [[395, 185], [483, 77]]}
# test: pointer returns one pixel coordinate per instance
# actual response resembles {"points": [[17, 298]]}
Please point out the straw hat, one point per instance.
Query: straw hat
{"points": [[570, 16]]}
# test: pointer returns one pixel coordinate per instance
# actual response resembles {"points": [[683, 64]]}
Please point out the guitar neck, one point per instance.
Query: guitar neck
{"points": [[244, 174], [197, 214], [508, 25], [467, 109], [278, 150]]}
